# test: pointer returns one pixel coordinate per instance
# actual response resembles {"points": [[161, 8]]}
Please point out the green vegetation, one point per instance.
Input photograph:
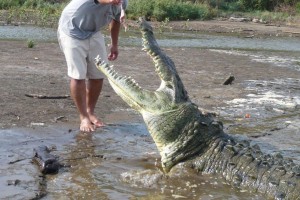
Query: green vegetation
{"points": [[207, 9], [30, 43], [31, 4], [172, 9], [47, 12], [38, 12], [298, 7]]}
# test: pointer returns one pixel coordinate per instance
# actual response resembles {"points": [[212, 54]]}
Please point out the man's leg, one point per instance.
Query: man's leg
{"points": [[94, 76], [93, 90], [79, 95]]}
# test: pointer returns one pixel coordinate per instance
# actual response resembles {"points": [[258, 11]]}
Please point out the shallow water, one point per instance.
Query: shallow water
{"points": [[166, 39], [270, 111], [119, 162], [27, 33]]}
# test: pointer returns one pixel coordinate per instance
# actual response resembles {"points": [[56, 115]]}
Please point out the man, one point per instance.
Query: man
{"points": [[81, 41]]}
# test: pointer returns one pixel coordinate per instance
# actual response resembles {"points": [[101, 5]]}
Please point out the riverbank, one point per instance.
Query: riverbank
{"points": [[235, 26], [35, 87], [41, 71], [119, 161]]}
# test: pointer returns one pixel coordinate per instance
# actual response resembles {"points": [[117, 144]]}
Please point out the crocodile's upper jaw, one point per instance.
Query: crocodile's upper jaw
{"points": [[165, 98]]}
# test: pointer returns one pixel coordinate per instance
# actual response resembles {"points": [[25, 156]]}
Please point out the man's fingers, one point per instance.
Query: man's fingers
{"points": [[116, 2], [112, 56]]}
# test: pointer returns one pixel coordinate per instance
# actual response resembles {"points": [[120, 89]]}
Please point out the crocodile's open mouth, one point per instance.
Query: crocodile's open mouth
{"points": [[171, 89]]}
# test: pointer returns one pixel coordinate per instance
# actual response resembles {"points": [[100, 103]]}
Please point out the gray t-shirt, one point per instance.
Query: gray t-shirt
{"points": [[82, 18]]}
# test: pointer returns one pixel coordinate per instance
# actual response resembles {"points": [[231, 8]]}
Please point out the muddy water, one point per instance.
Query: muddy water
{"points": [[121, 160], [118, 162], [270, 111]]}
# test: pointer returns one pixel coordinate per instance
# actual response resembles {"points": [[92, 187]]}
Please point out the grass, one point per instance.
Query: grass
{"points": [[30, 43], [37, 12], [47, 12], [159, 10]]}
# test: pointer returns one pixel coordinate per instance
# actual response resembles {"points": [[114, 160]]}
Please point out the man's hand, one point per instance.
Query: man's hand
{"points": [[114, 52], [123, 15], [115, 2]]}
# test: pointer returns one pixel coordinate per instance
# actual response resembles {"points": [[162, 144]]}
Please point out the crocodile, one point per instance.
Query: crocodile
{"points": [[183, 133]]}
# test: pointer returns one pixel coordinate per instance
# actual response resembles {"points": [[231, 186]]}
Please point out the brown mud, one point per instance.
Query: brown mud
{"points": [[42, 71]]}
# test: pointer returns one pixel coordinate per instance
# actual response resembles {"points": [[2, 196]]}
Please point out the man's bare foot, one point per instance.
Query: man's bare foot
{"points": [[87, 126], [94, 120], [98, 124]]}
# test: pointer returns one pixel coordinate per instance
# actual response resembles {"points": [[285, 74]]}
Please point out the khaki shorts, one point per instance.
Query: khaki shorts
{"points": [[80, 55]]}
